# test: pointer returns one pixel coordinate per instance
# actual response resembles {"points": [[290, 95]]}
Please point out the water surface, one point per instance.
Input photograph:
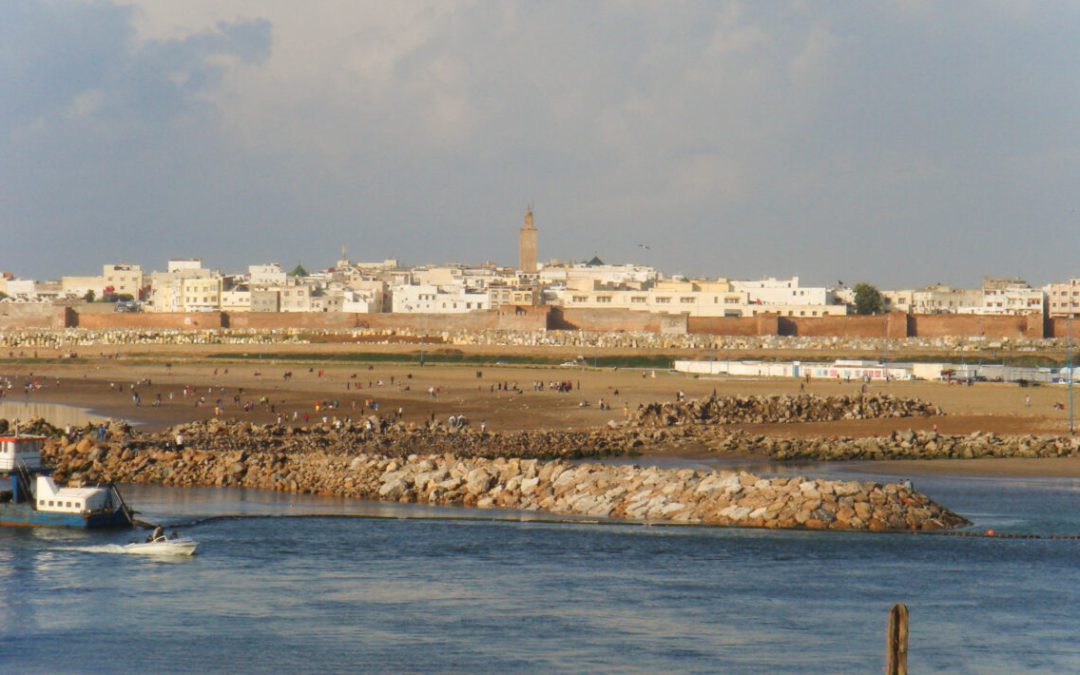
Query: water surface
{"points": [[408, 588]]}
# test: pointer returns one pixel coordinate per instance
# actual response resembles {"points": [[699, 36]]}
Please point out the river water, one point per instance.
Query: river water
{"points": [[293, 586]]}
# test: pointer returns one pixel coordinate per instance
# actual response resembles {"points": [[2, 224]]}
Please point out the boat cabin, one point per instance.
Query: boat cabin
{"points": [[70, 500], [20, 452]]}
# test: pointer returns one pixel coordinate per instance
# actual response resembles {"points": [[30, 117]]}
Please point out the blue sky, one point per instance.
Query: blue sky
{"points": [[897, 142]]}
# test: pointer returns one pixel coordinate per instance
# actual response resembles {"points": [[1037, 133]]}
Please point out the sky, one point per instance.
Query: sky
{"points": [[900, 143]]}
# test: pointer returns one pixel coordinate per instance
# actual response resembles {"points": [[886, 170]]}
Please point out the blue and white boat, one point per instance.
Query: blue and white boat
{"points": [[30, 498]]}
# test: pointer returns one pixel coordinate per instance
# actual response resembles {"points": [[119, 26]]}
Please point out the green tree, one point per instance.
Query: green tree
{"points": [[868, 299], [90, 295]]}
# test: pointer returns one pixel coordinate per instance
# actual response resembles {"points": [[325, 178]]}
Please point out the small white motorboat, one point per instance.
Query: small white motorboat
{"points": [[163, 546]]}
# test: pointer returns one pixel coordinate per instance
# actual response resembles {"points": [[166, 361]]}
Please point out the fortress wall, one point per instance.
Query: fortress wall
{"points": [[168, 320], [34, 315]]}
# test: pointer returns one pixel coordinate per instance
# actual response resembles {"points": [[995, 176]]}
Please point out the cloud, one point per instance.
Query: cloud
{"points": [[751, 138], [99, 125]]}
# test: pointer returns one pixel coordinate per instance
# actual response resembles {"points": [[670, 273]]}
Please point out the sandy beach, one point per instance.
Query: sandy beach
{"points": [[183, 385]]}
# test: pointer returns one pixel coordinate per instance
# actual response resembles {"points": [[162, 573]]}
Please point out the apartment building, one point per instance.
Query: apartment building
{"points": [[268, 274], [123, 279], [78, 287], [500, 295], [586, 275], [431, 299], [172, 292], [774, 291], [695, 298], [1063, 298]]}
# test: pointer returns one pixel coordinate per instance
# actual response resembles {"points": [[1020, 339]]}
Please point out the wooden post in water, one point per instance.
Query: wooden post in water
{"points": [[896, 650]]}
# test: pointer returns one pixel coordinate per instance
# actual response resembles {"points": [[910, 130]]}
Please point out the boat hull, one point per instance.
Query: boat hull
{"points": [[24, 515], [183, 546]]}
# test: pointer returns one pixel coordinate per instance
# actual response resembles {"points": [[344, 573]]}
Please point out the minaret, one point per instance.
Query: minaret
{"points": [[527, 244]]}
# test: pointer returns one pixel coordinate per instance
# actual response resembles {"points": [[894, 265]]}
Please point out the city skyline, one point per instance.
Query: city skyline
{"points": [[897, 143]]}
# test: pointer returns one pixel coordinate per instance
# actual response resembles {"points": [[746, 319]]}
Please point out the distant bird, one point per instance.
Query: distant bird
{"points": [[644, 247]]}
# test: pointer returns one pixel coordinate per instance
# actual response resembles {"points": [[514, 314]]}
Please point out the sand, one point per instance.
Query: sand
{"points": [[103, 384]]}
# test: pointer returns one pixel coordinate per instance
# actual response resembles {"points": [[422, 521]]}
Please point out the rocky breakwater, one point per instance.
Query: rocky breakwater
{"points": [[714, 410], [392, 438], [591, 490], [906, 444]]}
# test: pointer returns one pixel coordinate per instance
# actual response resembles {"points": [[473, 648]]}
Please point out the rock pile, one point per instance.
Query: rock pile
{"points": [[907, 444], [593, 490], [387, 437], [780, 409]]}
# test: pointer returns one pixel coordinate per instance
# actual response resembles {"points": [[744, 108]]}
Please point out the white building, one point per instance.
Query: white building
{"points": [[694, 298], [1012, 300], [23, 290], [774, 291], [586, 275], [431, 299], [269, 274]]}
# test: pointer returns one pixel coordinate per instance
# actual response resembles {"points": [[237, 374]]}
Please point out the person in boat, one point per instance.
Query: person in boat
{"points": [[159, 531]]}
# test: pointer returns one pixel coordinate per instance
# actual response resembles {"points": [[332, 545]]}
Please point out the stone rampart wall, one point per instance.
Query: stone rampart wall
{"points": [[941, 325], [15, 315], [151, 320], [528, 319]]}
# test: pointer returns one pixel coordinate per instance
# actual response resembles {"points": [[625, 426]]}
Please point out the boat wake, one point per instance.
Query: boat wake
{"points": [[101, 548]]}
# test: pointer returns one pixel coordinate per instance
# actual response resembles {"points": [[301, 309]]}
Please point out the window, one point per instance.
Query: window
{"points": [[638, 299], [663, 301], [580, 298], [686, 301], [603, 298]]}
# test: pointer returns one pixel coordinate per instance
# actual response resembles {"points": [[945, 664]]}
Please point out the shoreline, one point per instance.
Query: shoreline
{"points": [[471, 390], [984, 467]]}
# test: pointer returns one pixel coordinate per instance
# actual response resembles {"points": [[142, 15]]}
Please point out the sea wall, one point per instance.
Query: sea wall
{"points": [[593, 490]]}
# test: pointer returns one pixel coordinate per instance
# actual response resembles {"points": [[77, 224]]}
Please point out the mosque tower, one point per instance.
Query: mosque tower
{"points": [[527, 244]]}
